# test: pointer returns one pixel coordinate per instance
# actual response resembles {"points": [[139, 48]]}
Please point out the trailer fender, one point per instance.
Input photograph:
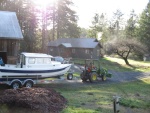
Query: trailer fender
{"points": [[27, 80], [15, 84], [15, 80]]}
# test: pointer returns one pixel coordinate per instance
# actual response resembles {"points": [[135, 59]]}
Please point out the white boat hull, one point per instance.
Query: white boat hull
{"points": [[41, 72]]}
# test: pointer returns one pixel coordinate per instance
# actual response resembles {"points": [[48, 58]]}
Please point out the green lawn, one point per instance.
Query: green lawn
{"points": [[97, 98], [121, 66], [117, 64]]}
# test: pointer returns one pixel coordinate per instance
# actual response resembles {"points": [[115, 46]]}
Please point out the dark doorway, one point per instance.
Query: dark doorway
{"points": [[3, 55]]}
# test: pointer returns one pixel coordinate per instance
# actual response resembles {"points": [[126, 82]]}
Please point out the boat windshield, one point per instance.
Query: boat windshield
{"points": [[39, 60]]}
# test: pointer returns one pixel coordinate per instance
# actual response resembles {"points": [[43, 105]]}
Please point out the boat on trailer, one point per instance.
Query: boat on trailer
{"points": [[32, 66]]}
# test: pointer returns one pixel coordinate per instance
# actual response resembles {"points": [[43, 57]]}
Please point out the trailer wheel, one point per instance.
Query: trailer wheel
{"points": [[69, 76], [15, 85], [93, 77], [28, 84]]}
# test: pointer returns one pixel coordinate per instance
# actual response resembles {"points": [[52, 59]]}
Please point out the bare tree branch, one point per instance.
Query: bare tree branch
{"points": [[124, 47]]}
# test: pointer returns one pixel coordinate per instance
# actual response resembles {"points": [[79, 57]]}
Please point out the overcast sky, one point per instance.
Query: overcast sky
{"points": [[87, 8]]}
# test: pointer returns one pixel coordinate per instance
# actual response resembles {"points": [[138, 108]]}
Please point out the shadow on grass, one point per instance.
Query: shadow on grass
{"points": [[115, 66], [110, 65], [92, 95], [84, 95]]}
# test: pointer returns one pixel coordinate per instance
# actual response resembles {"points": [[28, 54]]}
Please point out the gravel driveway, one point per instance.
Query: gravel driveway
{"points": [[118, 76]]}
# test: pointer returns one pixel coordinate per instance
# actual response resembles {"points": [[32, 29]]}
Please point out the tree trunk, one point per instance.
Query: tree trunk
{"points": [[126, 61]]}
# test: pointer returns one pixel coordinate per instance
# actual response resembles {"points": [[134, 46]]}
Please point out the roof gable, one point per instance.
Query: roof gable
{"points": [[75, 42], [9, 26]]}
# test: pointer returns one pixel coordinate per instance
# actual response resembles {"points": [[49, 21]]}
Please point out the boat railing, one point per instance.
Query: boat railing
{"points": [[68, 61]]}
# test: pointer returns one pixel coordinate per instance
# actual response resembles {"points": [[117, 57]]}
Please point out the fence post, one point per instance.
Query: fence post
{"points": [[116, 104]]}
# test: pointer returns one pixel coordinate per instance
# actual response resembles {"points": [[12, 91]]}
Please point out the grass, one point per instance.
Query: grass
{"points": [[98, 98], [136, 65], [118, 64]]}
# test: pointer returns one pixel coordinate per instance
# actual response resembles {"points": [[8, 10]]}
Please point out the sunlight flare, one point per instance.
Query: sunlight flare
{"points": [[43, 3]]}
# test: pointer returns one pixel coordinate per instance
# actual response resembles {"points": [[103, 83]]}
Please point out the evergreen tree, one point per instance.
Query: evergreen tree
{"points": [[95, 26], [98, 25], [29, 26], [66, 20], [144, 26], [117, 23], [27, 20], [84, 33], [130, 29]]}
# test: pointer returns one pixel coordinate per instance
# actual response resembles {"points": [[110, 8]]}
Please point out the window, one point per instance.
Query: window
{"points": [[39, 60], [31, 60], [47, 60], [86, 51], [73, 50]]}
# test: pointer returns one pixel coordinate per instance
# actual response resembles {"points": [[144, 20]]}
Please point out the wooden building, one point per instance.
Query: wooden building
{"points": [[10, 36], [84, 48]]}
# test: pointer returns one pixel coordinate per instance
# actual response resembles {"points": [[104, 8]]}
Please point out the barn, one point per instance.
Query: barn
{"points": [[10, 36], [83, 48]]}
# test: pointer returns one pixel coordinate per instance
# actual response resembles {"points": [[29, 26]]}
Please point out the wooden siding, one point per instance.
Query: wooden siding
{"points": [[78, 52], [11, 47]]}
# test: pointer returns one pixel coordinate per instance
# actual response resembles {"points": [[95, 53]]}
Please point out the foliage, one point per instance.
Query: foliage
{"points": [[66, 20], [112, 28], [27, 20], [144, 26], [130, 29], [124, 48], [84, 33], [118, 64], [29, 25], [116, 24], [62, 21], [34, 21], [95, 26], [98, 25]]}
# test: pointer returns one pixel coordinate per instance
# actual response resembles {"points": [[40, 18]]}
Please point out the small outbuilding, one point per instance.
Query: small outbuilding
{"points": [[10, 36], [84, 48]]}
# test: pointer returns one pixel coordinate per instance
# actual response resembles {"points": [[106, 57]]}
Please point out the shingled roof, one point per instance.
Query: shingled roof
{"points": [[9, 26], [75, 42]]}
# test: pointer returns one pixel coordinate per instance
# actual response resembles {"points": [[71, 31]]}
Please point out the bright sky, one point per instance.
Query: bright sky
{"points": [[87, 8]]}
